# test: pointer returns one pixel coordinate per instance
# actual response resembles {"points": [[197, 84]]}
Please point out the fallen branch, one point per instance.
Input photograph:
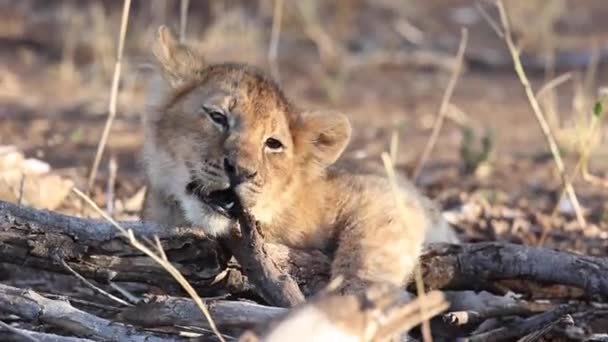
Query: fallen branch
{"points": [[519, 329], [468, 265], [34, 238], [247, 245], [18, 335], [96, 250], [172, 311], [33, 307], [470, 308]]}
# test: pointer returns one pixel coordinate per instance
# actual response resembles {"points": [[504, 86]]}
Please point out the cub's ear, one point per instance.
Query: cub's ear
{"points": [[178, 62], [323, 135]]}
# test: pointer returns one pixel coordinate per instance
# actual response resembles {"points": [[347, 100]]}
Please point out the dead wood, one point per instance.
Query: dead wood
{"points": [[247, 245], [93, 248], [33, 307], [172, 311], [538, 323], [470, 308], [18, 335], [470, 265]]}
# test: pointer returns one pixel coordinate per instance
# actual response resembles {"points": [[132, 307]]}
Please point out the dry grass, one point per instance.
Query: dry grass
{"points": [[113, 95], [444, 107], [538, 112]]}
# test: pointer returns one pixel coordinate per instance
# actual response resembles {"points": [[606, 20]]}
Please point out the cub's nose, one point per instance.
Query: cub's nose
{"points": [[238, 174]]}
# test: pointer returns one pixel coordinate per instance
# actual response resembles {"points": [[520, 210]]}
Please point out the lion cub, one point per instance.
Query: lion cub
{"points": [[215, 133]]}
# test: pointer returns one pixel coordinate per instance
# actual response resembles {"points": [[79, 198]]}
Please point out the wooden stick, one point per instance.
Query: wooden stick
{"points": [[247, 245], [445, 102], [31, 306], [538, 113], [519, 329], [171, 311], [113, 95]]}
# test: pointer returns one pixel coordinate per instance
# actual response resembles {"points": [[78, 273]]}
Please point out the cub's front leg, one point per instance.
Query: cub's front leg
{"points": [[380, 243]]}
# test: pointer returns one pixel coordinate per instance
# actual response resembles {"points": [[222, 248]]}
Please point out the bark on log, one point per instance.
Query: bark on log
{"points": [[519, 329], [19, 336], [277, 287], [93, 248], [171, 311], [33, 307], [457, 266]]}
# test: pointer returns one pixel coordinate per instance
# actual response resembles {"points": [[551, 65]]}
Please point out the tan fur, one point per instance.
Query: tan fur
{"points": [[301, 195]]}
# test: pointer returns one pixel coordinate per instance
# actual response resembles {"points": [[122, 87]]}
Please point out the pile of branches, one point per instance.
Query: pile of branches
{"points": [[255, 290]]}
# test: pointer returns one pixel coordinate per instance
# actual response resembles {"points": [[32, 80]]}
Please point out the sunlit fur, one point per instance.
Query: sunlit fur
{"points": [[302, 196]]}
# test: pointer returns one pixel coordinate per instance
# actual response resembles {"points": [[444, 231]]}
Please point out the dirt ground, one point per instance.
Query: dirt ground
{"points": [[57, 59]]}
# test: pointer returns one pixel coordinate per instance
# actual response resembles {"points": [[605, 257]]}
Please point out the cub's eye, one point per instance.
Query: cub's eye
{"points": [[216, 116], [274, 145]]}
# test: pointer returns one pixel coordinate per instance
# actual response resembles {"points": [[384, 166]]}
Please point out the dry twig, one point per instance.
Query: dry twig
{"points": [[273, 49], [538, 113], [183, 20], [19, 332], [443, 109], [113, 95], [31, 306], [93, 286], [390, 171], [247, 246], [535, 323]]}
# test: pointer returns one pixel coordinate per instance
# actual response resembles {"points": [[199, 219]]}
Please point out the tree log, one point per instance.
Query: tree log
{"points": [[33, 307], [18, 335], [170, 311], [93, 248], [470, 265]]}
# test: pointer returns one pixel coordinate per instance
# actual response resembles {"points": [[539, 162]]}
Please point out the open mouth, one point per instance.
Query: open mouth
{"points": [[221, 201]]}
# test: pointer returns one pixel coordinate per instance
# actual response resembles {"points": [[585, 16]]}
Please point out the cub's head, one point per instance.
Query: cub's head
{"points": [[216, 134]]}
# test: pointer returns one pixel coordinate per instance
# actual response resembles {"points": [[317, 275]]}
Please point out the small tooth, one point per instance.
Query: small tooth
{"points": [[229, 205]]}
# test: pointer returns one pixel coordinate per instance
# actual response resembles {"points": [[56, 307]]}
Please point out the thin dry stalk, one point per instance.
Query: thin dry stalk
{"points": [[183, 20], [21, 187], [394, 148], [113, 95], [328, 50], [159, 257], [390, 171], [594, 62], [445, 102], [582, 167], [94, 287], [128, 295], [538, 113], [112, 170], [18, 332], [273, 49], [552, 84]]}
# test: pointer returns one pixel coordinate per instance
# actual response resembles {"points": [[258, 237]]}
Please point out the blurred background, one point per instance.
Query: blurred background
{"points": [[385, 63]]}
